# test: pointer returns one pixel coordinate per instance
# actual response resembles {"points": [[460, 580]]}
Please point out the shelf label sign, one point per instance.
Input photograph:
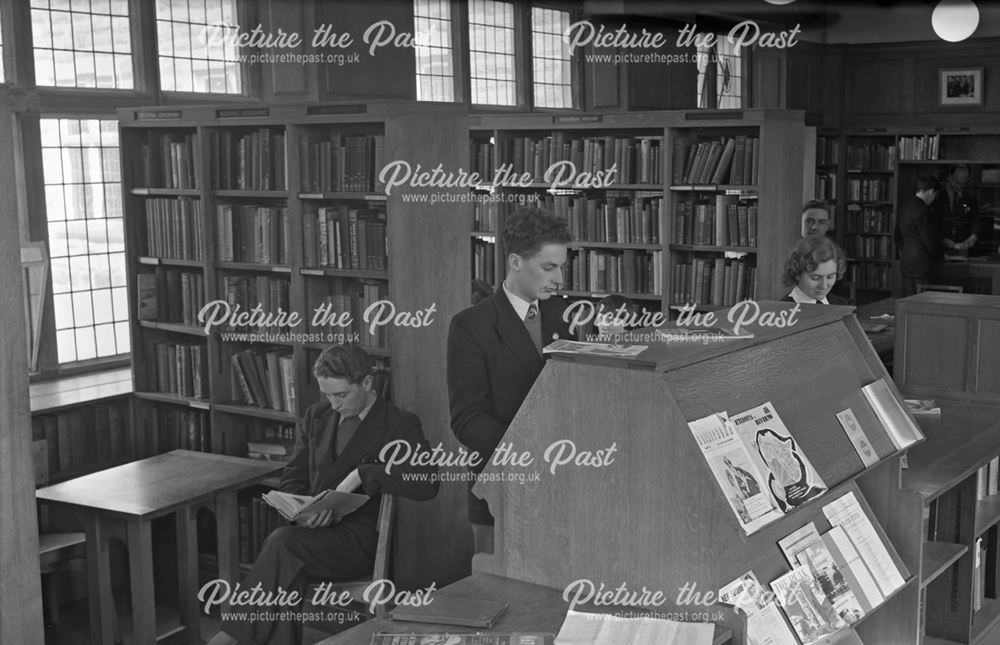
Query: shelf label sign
{"points": [[242, 114], [141, 115]]}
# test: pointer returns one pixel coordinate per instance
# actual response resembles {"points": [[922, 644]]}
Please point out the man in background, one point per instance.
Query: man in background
{"points": [[495, 347], [957, 212], [815, 218], [917, 236]]}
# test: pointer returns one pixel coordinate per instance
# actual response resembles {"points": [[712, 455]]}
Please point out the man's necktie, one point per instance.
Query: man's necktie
{"points": [[348, 426], [533, 321]]}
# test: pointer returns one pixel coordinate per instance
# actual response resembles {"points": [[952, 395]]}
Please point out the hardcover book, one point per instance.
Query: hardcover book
{"points": [[462, 639], [462, 611]]}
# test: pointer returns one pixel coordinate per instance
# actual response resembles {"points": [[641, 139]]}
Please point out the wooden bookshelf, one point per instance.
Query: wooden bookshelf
{"points": [[627, 236], [282, 206]]}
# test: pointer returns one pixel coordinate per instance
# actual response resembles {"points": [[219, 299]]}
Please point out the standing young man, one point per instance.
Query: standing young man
{"points": [[917, 236], [495, 347]]}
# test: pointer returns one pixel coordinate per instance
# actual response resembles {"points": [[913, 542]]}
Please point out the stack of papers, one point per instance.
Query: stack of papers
{"points": [[581, 628]]}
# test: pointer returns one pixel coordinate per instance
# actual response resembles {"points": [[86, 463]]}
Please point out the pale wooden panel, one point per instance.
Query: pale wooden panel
{"points": [[428, 246], [988, 367], [929, 361], [20, 582]]}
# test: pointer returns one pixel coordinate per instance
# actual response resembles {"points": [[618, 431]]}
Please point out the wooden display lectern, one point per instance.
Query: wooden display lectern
{"points": [[638, 503]]}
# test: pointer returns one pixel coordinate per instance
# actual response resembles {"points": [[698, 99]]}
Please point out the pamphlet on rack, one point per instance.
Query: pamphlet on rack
{"points": [[738, 472], [765, 625], [805, 547], [807, 608], [562, 346], [846, 513], [601, 629], [902, 431], [862, 445], [790, 476]]}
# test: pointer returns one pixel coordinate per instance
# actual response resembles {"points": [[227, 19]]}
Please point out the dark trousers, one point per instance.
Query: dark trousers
{"points": [[291, 558]]}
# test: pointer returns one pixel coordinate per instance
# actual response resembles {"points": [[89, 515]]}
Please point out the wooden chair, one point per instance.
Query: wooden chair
{"points": [[951, 288], [356, 588]]}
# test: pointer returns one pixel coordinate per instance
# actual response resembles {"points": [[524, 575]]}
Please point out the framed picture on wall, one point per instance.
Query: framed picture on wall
{"points": [[960, 86]]}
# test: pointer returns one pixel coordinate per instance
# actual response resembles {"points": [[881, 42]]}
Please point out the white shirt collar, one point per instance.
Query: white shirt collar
{"points": [[799, 296], [520, 304]]}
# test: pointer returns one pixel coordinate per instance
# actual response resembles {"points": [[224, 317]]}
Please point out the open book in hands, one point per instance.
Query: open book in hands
{"points": [[295, 507]]}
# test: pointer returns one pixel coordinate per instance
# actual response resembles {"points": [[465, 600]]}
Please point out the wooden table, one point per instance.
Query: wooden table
{"points": [[121, 502], [882, 341], [533, 608]]}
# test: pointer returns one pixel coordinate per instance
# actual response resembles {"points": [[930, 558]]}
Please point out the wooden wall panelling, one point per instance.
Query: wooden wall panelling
{"points": [[291, 81]]}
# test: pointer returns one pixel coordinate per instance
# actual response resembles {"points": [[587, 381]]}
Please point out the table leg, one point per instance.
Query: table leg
{"points": [[227, 531], [101, 601], [140, 563], [187, 563]]}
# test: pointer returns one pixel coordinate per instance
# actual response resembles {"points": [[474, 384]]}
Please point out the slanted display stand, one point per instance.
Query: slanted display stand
{"points": [[652, 515]]}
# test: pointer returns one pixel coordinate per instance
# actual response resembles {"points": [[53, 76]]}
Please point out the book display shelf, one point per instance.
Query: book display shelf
{"points": [[941, 340], [869, 213], [687, 215], [274, 219], [688, 536]]}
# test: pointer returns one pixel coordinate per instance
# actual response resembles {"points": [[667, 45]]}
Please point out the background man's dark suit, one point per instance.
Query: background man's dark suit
{"points": [[292, 555], [492, 364], [918, 239]]}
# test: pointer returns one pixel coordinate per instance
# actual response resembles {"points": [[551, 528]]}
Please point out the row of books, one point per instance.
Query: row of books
{"points": [[79, 437], [486, 215], [636, 159], [984, 577], [168, 160], [346, 237], [713, 281], [484, 261], [986, 479], [827, 151], [179, 428], [176, 368], [871, 276], [265, 379], [175, 228], [866, 219], [260, 234], [826, 186], [272, 443], [257, 520], [622, 220], [355, 300], [920, 148], [730, 160], [247, 160], [341, 163], [877, 156], [869, 247], [247, 292], [628, 271], [719, 223], [171, 296], [873, 190]]}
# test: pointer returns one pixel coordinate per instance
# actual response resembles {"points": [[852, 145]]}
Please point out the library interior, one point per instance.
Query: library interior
{"points": [[523, 322]]}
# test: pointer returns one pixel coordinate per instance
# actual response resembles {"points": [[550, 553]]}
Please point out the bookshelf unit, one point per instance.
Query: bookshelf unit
{"points": [[627, 230], [279, 210], [869, 213]]}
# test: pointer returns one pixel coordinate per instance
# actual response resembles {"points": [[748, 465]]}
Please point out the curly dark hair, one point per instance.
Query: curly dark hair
{"points": [[347, 361], [530, 228], [810, 252]]}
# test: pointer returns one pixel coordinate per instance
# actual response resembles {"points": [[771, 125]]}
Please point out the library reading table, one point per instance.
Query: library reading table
{"points": [[123, 501]]}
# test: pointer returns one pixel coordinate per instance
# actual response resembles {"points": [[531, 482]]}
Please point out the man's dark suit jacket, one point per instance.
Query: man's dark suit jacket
{"points": [[492, 364], [831, 298], [314, 465], [918, 238]]}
